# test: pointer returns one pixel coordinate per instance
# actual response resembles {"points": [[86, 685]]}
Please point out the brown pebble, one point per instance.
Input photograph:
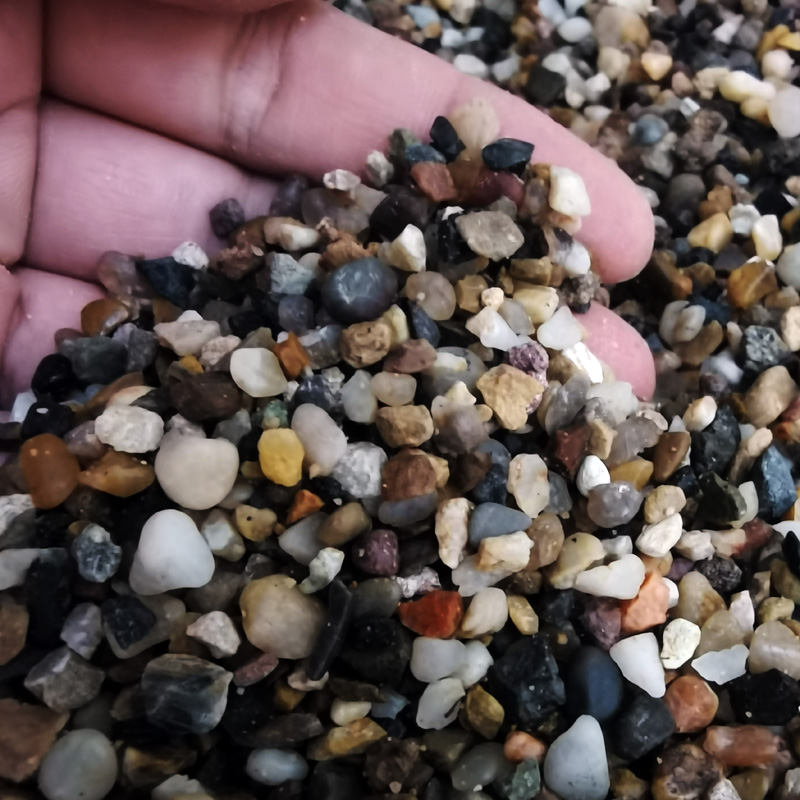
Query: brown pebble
{"points": [[743, 746], [365, 343], [413, 355], [571, 446], [50, 470], [205, 397], [749, 283], [344, 524], [684, 772], [538, 271], [434, 181], [693, 353], [118, 474], [408, 474], [102, 317], [145, 767], [303, 504], [668, 453], [692, 703], [468, 293], [547, 534], [13, 629], [342, 250], [27, 732], [637, 472], [292, 356], [626, 786], [405, 425], [520, 746], [482, 712]]}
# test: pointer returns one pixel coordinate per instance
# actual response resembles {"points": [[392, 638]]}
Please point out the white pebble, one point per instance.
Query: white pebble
{"points": [[14, 566], [187, 334], [487, 613], [359, 469], [340, 180], [743, 217], [784, 112], [585, 360], [576, 766], [722, 666], [222, 537], [688, 323], [620, 579], [767, 236], [528, 482], [471, 65], [323, 568], [394, 388], [669, 319], [695, 545], [344, 712], [700, 413], [742, 609], [738, 85], [639, 661], [470, 580], [196, 473], [561, 331], [674, 592], [575, 29], [358, 401], [618, 546], [452, 530], [434, 659], [81, 765], [300, 540], [477, 661], [22, 403], [593, 472], [129, 429], [274, 767], [660, 537], [492, 330], [568, 193], [679, 641], [217, 632], [322, 439], [439, 704], [788, 267], [777, 64], [190, 254], [257, 371], [407, 251]]}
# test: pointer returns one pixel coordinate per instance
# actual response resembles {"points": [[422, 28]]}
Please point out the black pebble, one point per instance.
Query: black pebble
{"points": [[361, 290], [722, 502], [686, 480], [766, 698], [422, 326], [791, 552], [378, 650], [642, 726], [760, 348], [543, 86], [450, 245], [492, 487], [722, 573], [49, 599], [54, 378], [127, 619], [172, 280], [286, 202], [507, 155], [445, 139], [714, 447], [331, 636], [772, 476], [593, 685], [96, 359], [401, 207], [226, 216], [47, 416]]}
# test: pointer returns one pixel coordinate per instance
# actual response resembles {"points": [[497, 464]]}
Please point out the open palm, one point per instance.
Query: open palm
{"points": [[123, 121]]}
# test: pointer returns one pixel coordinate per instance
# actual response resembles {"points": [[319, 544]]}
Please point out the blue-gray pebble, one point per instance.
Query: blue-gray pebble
{"points": [[359, 291], [493, 519]]}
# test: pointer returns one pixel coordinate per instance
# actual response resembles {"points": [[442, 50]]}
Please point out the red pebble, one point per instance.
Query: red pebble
{"points": [[436, 615]]}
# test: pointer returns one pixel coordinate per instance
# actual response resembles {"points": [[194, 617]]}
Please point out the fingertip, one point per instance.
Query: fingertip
{"points": [[619, 346]]}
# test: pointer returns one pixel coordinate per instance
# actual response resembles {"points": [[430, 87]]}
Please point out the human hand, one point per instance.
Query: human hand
{"points": [[151, 113]]}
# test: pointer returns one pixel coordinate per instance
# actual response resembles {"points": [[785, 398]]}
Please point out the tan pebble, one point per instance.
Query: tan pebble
{"points": [[347, 740], [790, 328], [662, 502], [713, 233], [280, 454], [405, 425], [521, 746], [601, 439], [509, 392], [255, 524], [548, 539], [769, 396], [525, 619], [483, 713], [773, 608], [365, 343], [693, 353], [656, 65], [344, 524], [468, 293]]}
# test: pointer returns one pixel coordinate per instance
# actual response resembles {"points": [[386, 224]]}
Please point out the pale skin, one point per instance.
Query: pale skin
{"points": [[123, 121]]}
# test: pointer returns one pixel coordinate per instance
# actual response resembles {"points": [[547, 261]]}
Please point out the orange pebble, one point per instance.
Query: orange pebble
{"points": [[436, 615], [292, 356], [521, 746], [304, 503], [648, 608], [50, 470]]}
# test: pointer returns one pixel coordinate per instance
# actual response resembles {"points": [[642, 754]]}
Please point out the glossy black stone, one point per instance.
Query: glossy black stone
{"points": [[686, 480], [172, 280], [642, 726], [47, 416], [791, 552], [423, 153], [722, 502], [359, 291], [331, 637], [526, 682], [543, 86], [593, 684], [127, 619], [492, 487], [765, 698], [772, 475], [401, 207], [714, 447], [507, 155], [54, 378], [450, 245], [445, 139], [225, 216]]}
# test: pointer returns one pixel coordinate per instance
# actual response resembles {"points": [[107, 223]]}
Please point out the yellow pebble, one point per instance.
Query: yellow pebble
{"points": [[191, 365], [255, 524], [714, 233], [280, 454], [286, 698], [522, 614]]}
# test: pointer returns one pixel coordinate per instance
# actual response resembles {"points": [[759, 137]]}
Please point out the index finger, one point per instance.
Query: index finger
{"points": [[304, 87]]}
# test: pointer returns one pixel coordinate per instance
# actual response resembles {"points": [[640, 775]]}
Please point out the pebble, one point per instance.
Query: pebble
{"points": [[439, 704], [281, 455], [452, 530], [217, 632], [509, 392], [196, 473], [171, 555], [359, 291], [575, 766], [129, 429], [322, 439], [692, 703], [659, 538], [257, 371], [568, 193], [663, 502], [593, 685], [323, 568], [20, 755], [527, 481], [593, 472], [561, 331], [679, 642], [620, 579], [638, 659], [50, 470], [434, 659], [187, 335], [783, 115], [491, 234], [96, 555], [492, 330], [722, 666], [82, 765], [405, 425], [774, 646], [613, 504], [274, 767], [63, 680]]}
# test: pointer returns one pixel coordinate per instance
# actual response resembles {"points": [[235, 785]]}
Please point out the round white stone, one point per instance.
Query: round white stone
{"points": [[621, 578], [171, 555], [190, 254], [659, 538], [257, 371], [576, 766], [568, 193], [129, 429], [439, 704], [678, 643], [434, 659], [477, 660], [196, 473], [322, 439], [688, 324], [639, 661], [273, 767], [593, 472], [81, 765], [669, 319], [575, 29], [700, 413], [344, 712], [743, 217], [561, 331], [487, 613]]}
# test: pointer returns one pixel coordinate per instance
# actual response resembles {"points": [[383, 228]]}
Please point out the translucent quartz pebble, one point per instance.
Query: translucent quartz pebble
{"points": [[323, 441], [394, 389], [613, 504], [273, 767], [633, 435], [359, 470], [434, 659], [619, 401], [774, 646], [81, 765], [723, 665], [719, 632], [257, 371], [492, 330], [477, 661], [358, 401], [527, 481], [322, 346], [439, 704], [639, 661], [470, 580], [621, 578], [300, 540], [567, 402], [516, 316], [452, 364], [561, 331], [479, 767], [576, 766], [433, 293]]}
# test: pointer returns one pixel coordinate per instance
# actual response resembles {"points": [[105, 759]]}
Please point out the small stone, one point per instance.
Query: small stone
{"points": [[439, 704], [13, 629], [773, 481], [359, 291], [520, 746], [405, 425], [27, 733], [255, 524], [639, 661], [410, 357], [436, 615], [527, 481], [394, 389], [483, 713], [507, 155], [376, 553], [257, 371], [575, 766], [492, 330], [568, 193], [96, 359], [365, 343], [663, 502], [452, 520], [522, 615], [713, 233], [82, 765], [184, 694], [669, 453], [280, 455], [774, 646], [621, 579], [692, 703], [255, 670], [658, 539], [494, 519], [171, 555], [509, 552], [118, 474], [50, 470], [434, 181], [102, 317], [491, 234], [344, 524], [63, 680], [561, 331], [274, 767], [322, 439], [768, 698], [613, 504], [745, 746], [187, 335], [750, 283], [280, 619], [98, 558], [594, 685], [196, 473], [580, 552], [348, 740], [217, 632], [323, 568], [679, 642], [434, 659], [643, 725], [509, 392], [723, 665], [714, 446], [301, 541], [769, 396]]}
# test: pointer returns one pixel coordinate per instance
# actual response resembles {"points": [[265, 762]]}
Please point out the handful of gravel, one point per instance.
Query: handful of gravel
{"points": [[350, 510]]}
